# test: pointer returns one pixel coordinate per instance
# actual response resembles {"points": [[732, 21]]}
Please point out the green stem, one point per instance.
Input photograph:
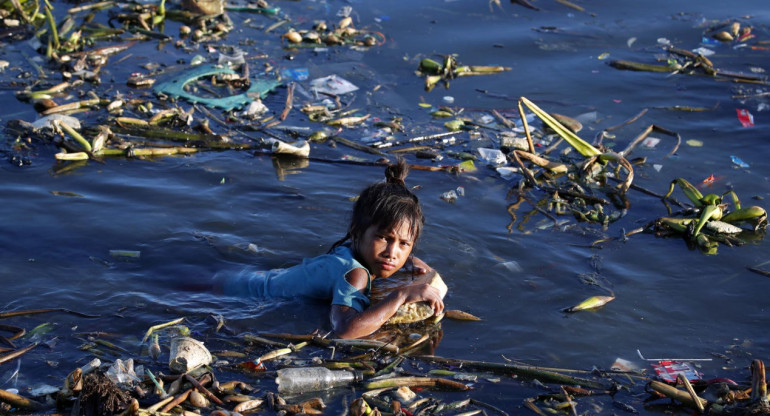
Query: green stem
{"points": [[636, 66], [52, 25], [75, 135]]}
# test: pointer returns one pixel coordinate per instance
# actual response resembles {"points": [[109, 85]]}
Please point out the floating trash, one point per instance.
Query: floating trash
{"points": [[669, 370], [492, 156], [299, 148], [704, 51], [296, 74], [740, 163], [126, 253], [122, 372], [48, 121], [187, 354], [333, 85], [449, 196], [176, 88], [234, 60], [650, 142], [507, 172], [621, 364], [746, 119]]}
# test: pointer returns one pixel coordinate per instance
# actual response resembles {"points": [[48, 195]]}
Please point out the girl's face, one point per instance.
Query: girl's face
{"points": [[384, 252]]}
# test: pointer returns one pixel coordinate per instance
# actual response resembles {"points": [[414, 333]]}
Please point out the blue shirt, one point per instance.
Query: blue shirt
{"points": [[321, 277]]}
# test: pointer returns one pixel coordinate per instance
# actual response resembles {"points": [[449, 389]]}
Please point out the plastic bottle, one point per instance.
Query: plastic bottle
{"points": [[305, 379]]}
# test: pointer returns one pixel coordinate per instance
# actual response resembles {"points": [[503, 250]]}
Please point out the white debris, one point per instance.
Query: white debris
{"points": [[46, 122], [492, 156]]}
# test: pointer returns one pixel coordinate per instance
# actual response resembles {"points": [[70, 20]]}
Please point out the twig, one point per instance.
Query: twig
{"points": [[572, 194], [203, 390], [647, 132], [488, 406], [533, 407], [507, 123], [177, 400], [17, 331], [652, 193], [289, 101], [160, 326], [416, 381], [569, 401], [357, 146], [759, 271], [523, 116], [682, 379], [154, 408], [39, 311], [572, 5], [744, 96], [676, 394], [527, 174], [522, 371], [627, 122], [15, 354], [209, 114], [18, 401]]}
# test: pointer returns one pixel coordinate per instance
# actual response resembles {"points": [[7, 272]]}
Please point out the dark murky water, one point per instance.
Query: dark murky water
{"points": [[191, 217]]}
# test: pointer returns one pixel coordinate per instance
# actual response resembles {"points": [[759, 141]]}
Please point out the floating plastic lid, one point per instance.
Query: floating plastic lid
{"points": [[175, 88]]}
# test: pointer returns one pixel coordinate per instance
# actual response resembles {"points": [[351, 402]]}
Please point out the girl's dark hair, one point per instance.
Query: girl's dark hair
{"points": [[386, 204]]}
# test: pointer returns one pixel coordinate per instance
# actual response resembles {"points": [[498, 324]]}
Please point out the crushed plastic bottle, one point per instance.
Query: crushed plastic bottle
{"points": [[492, 156], [306, 379], [122, 372], [449, 196]]}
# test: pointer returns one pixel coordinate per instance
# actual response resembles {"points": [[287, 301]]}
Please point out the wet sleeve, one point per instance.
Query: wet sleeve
{"points": [[249, 282], [346, 294]]}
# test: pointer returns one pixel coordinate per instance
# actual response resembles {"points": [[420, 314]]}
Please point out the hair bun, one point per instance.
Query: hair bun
{"points": [[396, 173]]}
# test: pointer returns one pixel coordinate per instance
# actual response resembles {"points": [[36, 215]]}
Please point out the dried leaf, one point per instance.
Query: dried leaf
{"points": [[467, 166], [460, 315], [591, 303]]}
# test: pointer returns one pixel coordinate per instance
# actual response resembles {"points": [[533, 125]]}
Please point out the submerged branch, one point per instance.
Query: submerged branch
{"points": [[520, 371], [39, 311]]}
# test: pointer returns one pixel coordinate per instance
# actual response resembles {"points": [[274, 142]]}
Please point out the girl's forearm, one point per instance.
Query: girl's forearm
{"points": [[373, 318]]}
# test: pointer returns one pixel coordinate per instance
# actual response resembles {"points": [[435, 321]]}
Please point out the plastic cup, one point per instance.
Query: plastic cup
{"points": [[187, 354]]}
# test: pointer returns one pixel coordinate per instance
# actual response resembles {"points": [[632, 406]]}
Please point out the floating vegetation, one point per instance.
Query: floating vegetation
{"points": [[697, 62], [340, 34], [450, 69], [710, 221], [297, 374]]}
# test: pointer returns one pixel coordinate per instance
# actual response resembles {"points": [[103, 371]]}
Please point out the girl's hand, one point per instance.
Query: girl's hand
{"points": [[425, 293], [420, 267]]}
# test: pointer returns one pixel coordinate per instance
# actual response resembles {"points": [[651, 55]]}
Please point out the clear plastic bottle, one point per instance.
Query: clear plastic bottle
{"points": [[305, 379]]}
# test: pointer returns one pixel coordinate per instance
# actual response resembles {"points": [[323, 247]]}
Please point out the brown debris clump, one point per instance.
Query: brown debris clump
{"points": [[100, 396]]}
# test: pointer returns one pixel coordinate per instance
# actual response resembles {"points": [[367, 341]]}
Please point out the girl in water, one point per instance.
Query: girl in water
{"points": [[386, 222]]}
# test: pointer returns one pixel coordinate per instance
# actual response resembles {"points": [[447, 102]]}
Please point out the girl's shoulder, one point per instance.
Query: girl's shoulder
{"points": [[340, 259], [343, 252]]}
